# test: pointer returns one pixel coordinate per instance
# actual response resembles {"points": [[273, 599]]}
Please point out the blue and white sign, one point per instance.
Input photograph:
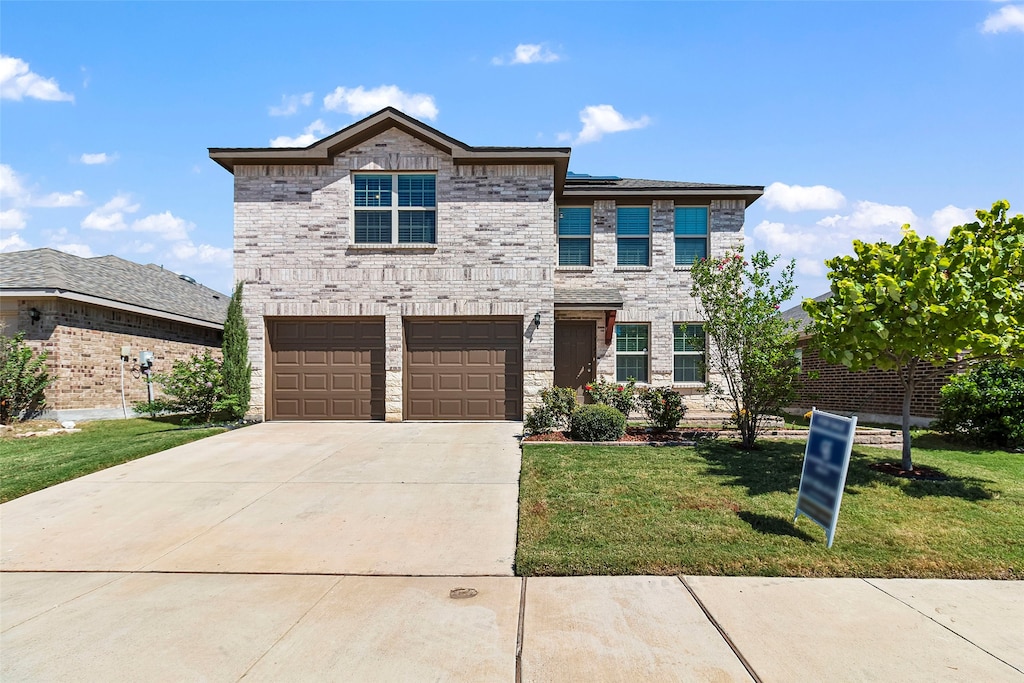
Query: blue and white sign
{"points": [[826, 461]]}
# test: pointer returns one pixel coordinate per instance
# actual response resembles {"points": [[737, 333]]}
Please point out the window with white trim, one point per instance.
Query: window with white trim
{"points": [[632, 343], [691, 232], [688, 352], [633, 228], [574, 231], [386, 216]]}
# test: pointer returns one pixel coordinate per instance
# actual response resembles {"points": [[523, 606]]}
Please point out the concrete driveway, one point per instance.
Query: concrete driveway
{"points": [[287, 498]]}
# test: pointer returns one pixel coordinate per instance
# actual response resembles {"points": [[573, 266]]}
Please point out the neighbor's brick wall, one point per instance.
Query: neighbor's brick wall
{"points": [[84, 345], [658, 295], [495, 252], [872, 392]]}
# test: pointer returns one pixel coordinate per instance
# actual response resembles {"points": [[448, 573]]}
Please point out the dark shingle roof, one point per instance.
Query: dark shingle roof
{"points": [[597, 184], [605, 298], [114, 279], [798, 314]]}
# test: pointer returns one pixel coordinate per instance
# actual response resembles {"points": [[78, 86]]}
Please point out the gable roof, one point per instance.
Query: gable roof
{"points": [[798, 314], [323, 151], [113, 282]]}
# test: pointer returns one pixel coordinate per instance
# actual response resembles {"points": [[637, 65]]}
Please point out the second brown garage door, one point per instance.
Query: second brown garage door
{"points": [[326, 368], [464, 369]]}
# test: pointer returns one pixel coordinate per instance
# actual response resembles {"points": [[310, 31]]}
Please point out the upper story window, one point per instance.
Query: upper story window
{"points": [[631, 347], [691, 234], [574, 230], [633, 226], [381, 217], [688, 353]]}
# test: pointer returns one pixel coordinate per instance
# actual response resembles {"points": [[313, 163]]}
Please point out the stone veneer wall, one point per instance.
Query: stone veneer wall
{"points": [[874, 395], [495, 252], [84, 344], [658, 295]]}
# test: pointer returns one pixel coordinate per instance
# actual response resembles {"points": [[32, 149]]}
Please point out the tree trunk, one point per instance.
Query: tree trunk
{"points": [[908, 392]]}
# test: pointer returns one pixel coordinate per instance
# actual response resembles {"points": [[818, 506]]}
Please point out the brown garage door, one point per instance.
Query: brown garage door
{"points": [[465, 369], [326, 369]]}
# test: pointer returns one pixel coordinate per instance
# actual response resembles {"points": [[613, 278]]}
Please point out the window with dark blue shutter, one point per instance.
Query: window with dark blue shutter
{"points": [[633, 228], [691, 234], [574, 230]]}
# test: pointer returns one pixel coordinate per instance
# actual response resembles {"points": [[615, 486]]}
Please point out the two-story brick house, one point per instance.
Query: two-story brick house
{"points": [[393, 272]]}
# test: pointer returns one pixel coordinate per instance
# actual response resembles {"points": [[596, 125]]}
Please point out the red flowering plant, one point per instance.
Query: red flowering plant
{"points": [[622, 397]]}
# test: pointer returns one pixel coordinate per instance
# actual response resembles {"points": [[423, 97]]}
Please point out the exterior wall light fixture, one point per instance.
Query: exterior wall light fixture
{"points": [[34, 314], [536, 319]]}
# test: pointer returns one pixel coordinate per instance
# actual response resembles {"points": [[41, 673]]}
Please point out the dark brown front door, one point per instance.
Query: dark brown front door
{"points": [[463, 369], [575, 353], [326, 368]]}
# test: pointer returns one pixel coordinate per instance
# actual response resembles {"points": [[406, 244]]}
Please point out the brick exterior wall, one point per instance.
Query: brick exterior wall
{"points": [[494, 256], [84, 345], [875, 395]]}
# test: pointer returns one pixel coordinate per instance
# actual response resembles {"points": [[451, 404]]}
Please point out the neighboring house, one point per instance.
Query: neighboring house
{"points": [[393, 272], [873, 395], [86, 312]]}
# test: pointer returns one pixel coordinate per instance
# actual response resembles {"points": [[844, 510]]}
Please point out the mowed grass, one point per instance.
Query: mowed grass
{"points": [[717, 510], [34, 463]]}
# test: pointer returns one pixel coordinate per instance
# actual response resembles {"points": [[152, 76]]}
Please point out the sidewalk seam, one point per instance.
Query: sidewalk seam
{"points": [[721, 631], [933, 620], [520, 631]]}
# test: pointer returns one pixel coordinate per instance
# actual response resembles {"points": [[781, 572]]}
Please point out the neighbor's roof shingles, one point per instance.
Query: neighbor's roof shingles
{"points": [[114, 279]]}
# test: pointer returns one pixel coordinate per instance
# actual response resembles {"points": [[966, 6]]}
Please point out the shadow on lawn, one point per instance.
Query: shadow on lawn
{"points": [[774, 467], [776, 526]]}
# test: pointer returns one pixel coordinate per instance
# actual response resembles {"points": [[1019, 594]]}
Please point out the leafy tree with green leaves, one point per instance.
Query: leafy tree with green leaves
{"points": [[751, 345], [23, 378], [236, 368], [195, 385], [901, 307]]}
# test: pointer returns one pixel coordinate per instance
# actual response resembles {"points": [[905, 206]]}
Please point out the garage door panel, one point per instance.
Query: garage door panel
{"points": [[327, 369], [463, 369]]}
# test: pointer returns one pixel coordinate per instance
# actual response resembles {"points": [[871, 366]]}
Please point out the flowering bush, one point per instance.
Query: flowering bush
{"points": [[622, 397], [663, 407]]}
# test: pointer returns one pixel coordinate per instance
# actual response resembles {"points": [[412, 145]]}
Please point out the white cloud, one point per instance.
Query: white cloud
{"points": [[869, 215], [311, 134], [13, 243], [17, 81], [13, 189], [82, 250], [110, 216], [777, 238], [10, 184], [800, 198], [12, 219], [359, 102], [600, 119], [290, 104], [1008, 18], [61, 200], [529, 53], [945, 218], [167, 225], [98, 158], [204, 253]]}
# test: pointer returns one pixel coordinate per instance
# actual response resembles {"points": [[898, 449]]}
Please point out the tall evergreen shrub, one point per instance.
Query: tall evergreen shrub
{"points": [[237, 370]]}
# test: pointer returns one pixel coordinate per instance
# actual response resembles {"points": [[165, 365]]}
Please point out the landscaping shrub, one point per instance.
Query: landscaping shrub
{"points": [[597, 422], [561, 401], [540, 420], [236, 369], [622, 397], [663, 407], [985, 406], [23, 379], [195, 385]]}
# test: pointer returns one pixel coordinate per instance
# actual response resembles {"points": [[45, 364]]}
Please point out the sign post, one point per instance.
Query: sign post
{"points": [[826, 461]]}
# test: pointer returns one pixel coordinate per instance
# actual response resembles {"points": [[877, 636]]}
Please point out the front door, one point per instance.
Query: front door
{"points": [[575, 353]]}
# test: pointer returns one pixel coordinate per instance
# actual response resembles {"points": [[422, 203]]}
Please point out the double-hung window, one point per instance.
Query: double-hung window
{"points": [[574, 236], [631, 352], [633, 227], [688, 353], [691, 234], [395, 208]]}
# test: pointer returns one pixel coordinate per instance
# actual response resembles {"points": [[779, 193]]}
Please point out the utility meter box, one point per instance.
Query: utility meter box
{"points": [[146, 359], [126, 352]]}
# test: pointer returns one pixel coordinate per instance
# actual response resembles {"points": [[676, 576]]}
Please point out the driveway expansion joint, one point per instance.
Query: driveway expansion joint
{"points": [[721, 631]]}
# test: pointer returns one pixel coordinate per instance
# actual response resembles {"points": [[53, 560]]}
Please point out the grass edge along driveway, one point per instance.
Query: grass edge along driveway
{"points": [[34, 463], [717, 510]]}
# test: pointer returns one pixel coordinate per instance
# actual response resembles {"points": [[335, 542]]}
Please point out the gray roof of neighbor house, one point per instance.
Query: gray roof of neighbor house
{"points": [[611, 187], [798, 314], [113, 279]]}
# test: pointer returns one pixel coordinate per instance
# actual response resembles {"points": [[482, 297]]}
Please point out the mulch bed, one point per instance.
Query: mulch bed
{"points": [[920, 473], [637, 434]]}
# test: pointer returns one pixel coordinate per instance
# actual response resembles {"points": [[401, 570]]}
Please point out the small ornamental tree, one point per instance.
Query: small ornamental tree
{"points": [[23, 378], [236, 368], [901, 307], [751, 346]]}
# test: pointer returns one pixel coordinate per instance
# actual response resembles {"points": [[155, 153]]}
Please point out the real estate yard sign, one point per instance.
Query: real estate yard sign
{"points": [[826, 461]]}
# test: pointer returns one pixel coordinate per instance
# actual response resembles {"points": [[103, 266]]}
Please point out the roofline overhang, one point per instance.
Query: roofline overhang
{"points": [[592, 306], [53, 292], [749, 194]]}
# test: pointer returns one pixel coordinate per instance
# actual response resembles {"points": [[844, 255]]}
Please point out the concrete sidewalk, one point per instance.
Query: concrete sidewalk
{"points": [[225, 627]]}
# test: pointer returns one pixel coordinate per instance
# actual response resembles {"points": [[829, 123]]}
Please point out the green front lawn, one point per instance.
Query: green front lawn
{"points": [[33, 463], [717, 510]]}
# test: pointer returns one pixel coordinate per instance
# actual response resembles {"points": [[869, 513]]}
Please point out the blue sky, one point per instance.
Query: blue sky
{"points": [[857, 117]]}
